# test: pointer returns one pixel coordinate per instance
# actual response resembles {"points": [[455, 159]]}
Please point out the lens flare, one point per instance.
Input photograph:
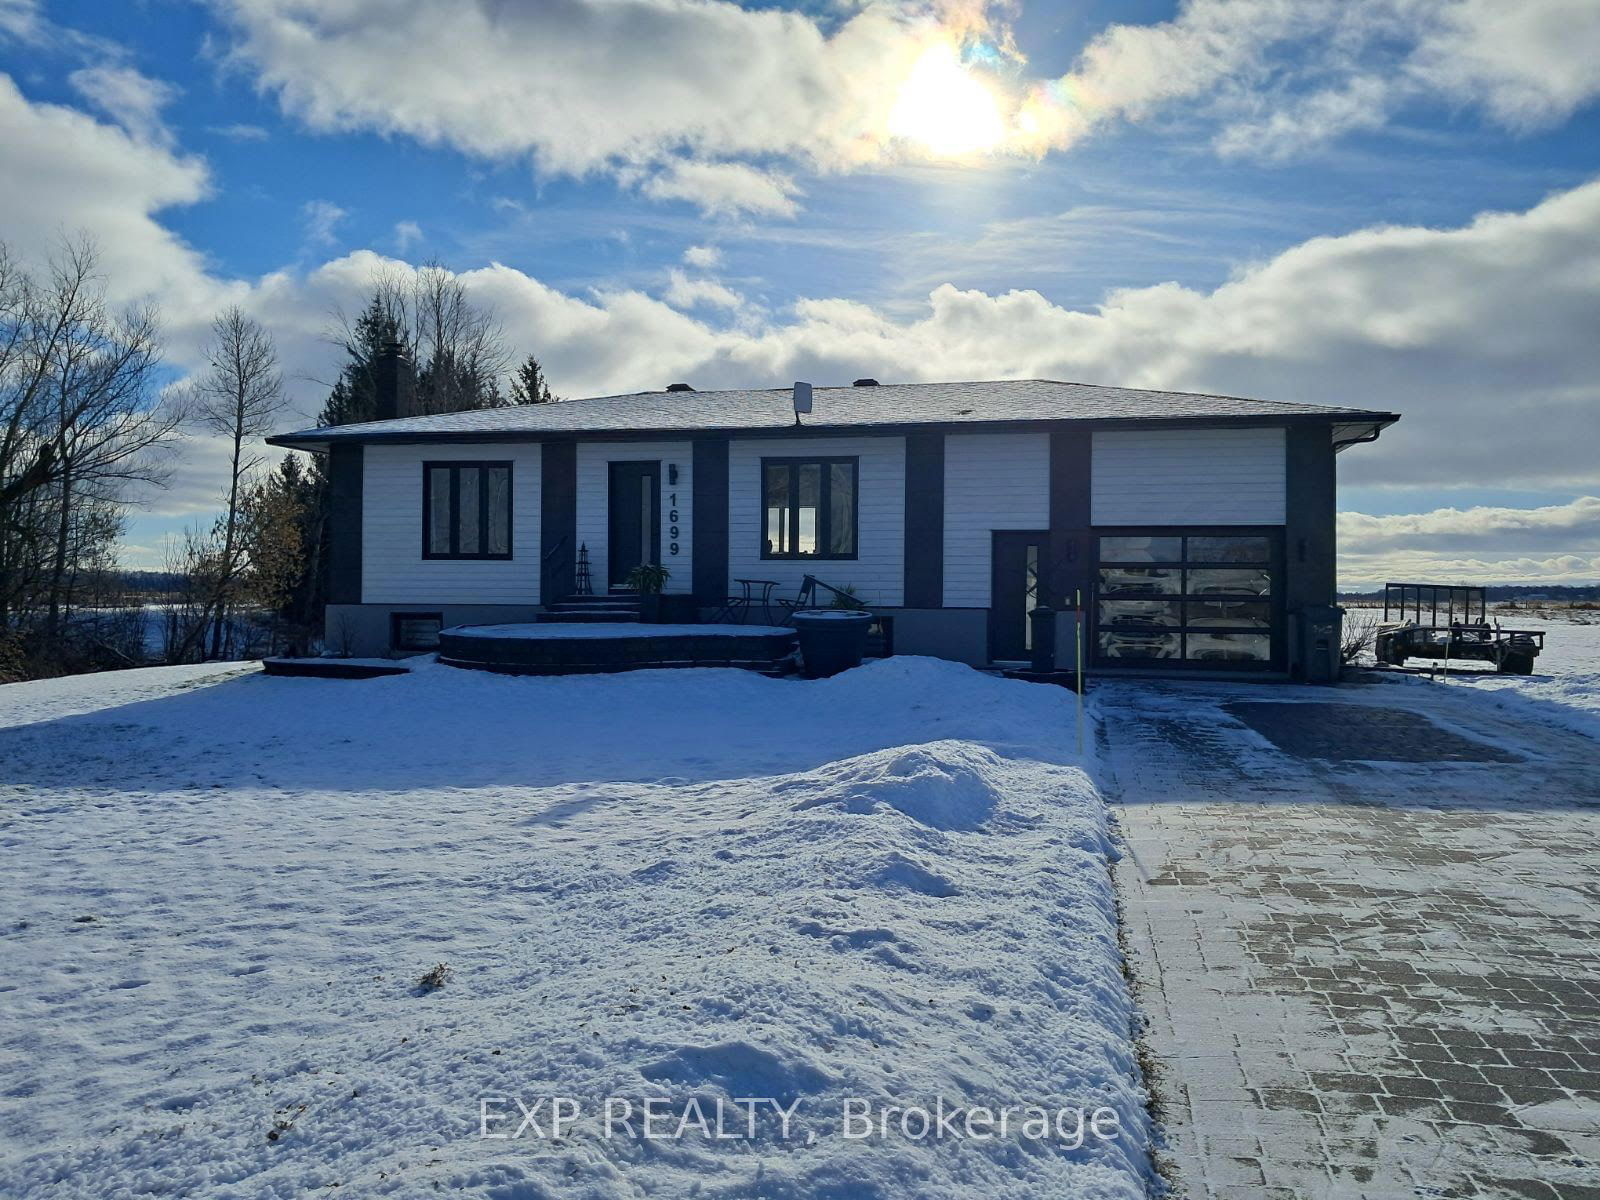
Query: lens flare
{"points": [[945, 108]]}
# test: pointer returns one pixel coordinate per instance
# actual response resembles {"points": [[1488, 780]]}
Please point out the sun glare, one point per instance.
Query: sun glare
{"points": [[943, 106]]}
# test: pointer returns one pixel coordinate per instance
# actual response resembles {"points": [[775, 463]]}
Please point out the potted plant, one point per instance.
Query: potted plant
{"points": [[833, 639], [647, 580]]}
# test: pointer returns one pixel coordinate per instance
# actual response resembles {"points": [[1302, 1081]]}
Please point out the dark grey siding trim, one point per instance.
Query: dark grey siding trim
{"points": [[558, 519], [710, 524], [1071, 556], [1310, 503], [924, 579], [345, 464]]}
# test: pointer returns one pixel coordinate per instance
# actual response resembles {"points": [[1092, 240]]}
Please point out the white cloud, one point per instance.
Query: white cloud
{"points": [[1288, 124], [1558, 543], [321, 219], [1366, 573], [1530, 63], [1561, 526], [61, 170], [587, 85], [683, 292], [725, 188], [406, 235], [706, 258], [1286, 74], [239, 132], [20, 19], [129, 98], [698, 99]]}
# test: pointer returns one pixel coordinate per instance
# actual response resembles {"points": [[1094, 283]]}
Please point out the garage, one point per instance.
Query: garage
{"points": [[1185, 597]]}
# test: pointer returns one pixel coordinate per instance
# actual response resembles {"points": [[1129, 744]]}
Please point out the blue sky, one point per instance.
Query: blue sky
{"points": [[1275, 197]]}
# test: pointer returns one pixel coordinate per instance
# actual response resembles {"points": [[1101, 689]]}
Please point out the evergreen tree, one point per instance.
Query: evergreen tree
{"points": [[354, 398], [529, 385]]}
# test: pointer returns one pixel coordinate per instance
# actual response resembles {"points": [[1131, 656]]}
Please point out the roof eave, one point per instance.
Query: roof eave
{"points": [[317, 441], [1376, 423]]}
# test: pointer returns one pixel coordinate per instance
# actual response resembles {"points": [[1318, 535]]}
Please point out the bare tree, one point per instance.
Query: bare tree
{"points": [[81, 417], [1358, 634], [458, 346], [236, 398]]}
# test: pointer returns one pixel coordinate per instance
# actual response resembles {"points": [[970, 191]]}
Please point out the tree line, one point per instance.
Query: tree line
{"points": [[90, 419]]}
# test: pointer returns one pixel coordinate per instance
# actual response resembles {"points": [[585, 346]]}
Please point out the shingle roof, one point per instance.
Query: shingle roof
{"points": [[835, 407]]}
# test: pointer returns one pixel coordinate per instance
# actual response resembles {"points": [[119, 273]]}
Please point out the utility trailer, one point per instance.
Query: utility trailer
{"points": [[1412, 628]]}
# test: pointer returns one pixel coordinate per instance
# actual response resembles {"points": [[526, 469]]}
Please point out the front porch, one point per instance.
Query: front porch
{"points": [[548, 647]]}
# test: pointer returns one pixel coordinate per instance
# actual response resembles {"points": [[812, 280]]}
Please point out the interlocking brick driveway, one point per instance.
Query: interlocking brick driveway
{"points": [[1369, 962]]}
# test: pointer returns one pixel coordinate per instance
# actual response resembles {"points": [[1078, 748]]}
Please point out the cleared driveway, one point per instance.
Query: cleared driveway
{"points": [[1364, 926]]}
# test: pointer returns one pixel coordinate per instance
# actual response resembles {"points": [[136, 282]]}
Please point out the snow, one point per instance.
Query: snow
{"points": [[1565, 686], [615, 629], [47, 699], [407, 662], [223, 890]]}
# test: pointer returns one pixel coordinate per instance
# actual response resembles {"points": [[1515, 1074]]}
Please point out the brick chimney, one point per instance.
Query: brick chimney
{"points": [[394, 383]]}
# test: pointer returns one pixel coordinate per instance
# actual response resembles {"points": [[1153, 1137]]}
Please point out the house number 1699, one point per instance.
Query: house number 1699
{"points": [[673, 529]]}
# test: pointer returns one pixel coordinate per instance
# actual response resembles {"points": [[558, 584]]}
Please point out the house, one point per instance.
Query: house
{"points": [[1196, 530]]}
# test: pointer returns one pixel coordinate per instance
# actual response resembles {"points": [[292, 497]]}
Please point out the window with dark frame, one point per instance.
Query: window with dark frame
{"points": [[809, 507], [415, 630], [1203, 598], [466, 510]]}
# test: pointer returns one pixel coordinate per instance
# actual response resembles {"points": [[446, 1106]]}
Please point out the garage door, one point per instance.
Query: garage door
{"points": [[1189, 599]]}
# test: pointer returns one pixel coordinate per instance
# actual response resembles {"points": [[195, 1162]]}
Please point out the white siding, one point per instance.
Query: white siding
{"points": [[1188, 477], [991, 481], [393, 570], [878, 572], [594, 495]]}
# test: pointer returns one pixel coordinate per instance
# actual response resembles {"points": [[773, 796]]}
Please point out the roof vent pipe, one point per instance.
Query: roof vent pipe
{"points": [[679, 387], [865, 383]]}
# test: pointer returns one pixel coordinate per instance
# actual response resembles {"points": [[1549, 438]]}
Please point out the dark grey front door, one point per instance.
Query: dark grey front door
{"points": [[1019, 565], [635, 534]]}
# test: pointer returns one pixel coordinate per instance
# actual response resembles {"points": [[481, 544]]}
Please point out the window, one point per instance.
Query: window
{"points": [[808, 507], [415, 630], [1207, 599], [466, 510]]}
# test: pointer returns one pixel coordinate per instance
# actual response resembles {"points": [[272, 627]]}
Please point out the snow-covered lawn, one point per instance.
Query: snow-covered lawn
{"points": [[222, 889], [1565, 685]]}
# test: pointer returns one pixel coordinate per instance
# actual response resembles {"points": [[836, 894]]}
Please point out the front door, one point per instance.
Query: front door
{"points": [[1019, 565], [635, 533]]}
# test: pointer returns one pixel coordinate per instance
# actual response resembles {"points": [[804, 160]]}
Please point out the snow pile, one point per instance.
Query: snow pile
{"points": [[887, 888]]}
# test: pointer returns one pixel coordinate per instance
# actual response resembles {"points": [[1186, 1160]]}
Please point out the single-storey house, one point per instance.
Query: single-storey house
{"points": [[1195, 530]]}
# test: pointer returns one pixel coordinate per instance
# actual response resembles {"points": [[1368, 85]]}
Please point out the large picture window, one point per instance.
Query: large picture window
{"points": [[466, 510], [1207, 599], [808, 507]]}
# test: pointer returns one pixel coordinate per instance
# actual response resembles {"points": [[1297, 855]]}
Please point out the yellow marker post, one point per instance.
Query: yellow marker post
{"points": [[1077, 605]]}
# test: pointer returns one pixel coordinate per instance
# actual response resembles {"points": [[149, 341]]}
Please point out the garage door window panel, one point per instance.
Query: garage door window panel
{"points": [[1207, 599]]}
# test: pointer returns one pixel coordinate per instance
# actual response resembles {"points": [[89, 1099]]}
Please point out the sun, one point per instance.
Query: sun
{"points": [[945, 107]]}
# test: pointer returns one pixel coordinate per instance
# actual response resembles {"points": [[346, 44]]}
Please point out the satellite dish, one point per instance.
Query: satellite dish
{"points": [[802, 398]]}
